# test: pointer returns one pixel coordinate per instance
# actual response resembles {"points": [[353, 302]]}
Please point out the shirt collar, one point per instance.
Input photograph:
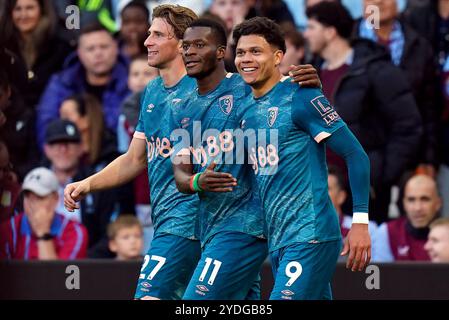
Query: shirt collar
{"points": [[349, 60]]}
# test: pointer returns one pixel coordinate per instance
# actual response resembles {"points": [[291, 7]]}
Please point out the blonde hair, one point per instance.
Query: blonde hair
{"points": [[122, 222], [178, 17], [440, 222]]}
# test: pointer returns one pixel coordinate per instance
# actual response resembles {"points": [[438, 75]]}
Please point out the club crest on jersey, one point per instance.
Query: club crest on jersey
{"points": [[226, 103], [272, 115], [150, 108]]}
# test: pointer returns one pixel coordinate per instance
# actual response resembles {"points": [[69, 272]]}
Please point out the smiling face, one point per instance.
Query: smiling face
{"points": [[257, 61], [26, 15], [162, 44], [200, 52]]}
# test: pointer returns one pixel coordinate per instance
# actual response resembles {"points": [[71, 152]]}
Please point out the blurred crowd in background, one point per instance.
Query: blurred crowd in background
{"points": [[70, 100]]}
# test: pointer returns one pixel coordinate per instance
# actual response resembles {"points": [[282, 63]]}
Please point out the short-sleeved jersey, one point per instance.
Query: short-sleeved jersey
{"points": [[290, 163], [173, 212], [208, 123]]}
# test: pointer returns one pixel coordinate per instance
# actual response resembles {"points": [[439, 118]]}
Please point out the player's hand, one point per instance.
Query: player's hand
{"points": [[212, 181], [305, 75], [75, 192], [358, 245]]}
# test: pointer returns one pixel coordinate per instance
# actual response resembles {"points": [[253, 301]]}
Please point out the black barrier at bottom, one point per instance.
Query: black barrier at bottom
{"points": [[113, 280]]}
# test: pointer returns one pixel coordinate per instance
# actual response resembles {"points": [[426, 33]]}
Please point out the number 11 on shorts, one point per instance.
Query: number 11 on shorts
{"points": [[217, 265]]}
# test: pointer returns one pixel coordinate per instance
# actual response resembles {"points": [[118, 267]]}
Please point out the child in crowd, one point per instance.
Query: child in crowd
{"points": [[126, 237]]}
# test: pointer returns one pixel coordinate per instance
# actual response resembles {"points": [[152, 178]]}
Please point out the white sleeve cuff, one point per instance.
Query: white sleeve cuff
{"points": [[360, 217]]}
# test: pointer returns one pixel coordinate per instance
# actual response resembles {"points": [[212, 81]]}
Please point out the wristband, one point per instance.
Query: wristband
{"points": [[360, 217], [45, 237], [196, 186], [191, 183]]}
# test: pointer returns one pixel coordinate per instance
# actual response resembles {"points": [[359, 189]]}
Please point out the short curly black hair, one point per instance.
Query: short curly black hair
{"points": [[218, 30], [263, 27], [332, 14]]}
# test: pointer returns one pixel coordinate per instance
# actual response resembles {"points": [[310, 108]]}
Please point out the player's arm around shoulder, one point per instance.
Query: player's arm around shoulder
{"points": [[120, 171]]}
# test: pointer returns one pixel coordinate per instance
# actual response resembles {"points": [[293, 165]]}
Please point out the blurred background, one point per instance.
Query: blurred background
{"points": [[70, 94]]}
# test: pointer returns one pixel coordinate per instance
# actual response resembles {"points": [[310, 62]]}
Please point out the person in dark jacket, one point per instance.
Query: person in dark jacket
{"points": [[414, 55], [98, 69], [29, 30], [430, 18], [17, 127], [371, 95]]}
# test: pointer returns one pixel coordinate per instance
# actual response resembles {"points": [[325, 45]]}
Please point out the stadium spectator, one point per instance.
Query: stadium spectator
{"points": [[29, 28], [404, 238], [311, 3], [232, 12], [135, 22], [275, 10], [413, 54], [63, 150], [198, 6], [9, 186], [17, 126], [370, 94], [40, 233], [5, 94], [430, 18], [99, 144], [294, 42], [140, 74], [443, 176], [338, 195], [437, 245], [126, 238], [98, 68]]}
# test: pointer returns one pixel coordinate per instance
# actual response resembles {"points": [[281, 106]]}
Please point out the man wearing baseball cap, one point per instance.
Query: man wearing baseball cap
{"points": [[63, 151], [39, 233]]}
